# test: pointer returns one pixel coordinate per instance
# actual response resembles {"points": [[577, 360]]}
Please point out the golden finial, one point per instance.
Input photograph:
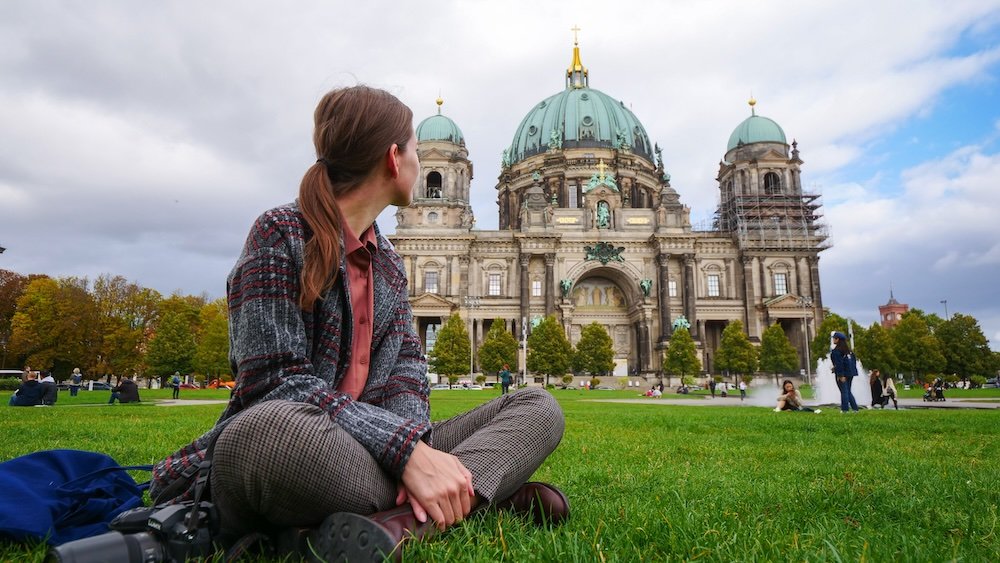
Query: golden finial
{"points": [[752, 103], [439, 102], [576, 74]]}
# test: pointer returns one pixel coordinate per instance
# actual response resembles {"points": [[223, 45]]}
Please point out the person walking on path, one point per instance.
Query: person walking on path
{"points": [[845, 369], [875, 384], [75, 380], [328, 434], [175, 383], [889, 391], [743, 390], [505, 379], [711, 385]]}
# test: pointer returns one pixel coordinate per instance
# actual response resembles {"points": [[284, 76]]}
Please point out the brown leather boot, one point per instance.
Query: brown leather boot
{"points": [[345, 536], [543, 502]]}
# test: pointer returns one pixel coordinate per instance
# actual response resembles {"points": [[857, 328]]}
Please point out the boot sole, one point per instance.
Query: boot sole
{"points": [[349, 537]]}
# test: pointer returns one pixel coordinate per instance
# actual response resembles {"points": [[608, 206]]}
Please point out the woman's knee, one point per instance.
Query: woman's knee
{"points": [[546, 410]]}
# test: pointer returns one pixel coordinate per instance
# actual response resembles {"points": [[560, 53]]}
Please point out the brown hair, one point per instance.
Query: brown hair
{"points": [[355, 127]]}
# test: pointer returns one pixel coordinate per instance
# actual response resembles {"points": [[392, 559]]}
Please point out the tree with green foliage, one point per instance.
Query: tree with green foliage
{"points": [[874, 347], [127, 314], [918, 350], [172, 346], [549, 352], [681, 356], [820, 348], [777, 355], [736, 354], [499, 348], [965, 347], [55, 326], [595, 353], [211, 356], [452, 351]]}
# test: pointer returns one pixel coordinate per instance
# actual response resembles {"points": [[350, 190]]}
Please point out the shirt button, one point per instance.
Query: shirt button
{"points": [[363, 320], [364, 360]]}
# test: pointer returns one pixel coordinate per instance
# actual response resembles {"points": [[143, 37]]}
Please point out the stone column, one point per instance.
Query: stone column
{"points": [[750, 296], [525, 290], [463, 274], [413, 275], [447, 278], [644, 343], [690, 299], [817, 294], [664, 297], [550, 283], [509, 285]]}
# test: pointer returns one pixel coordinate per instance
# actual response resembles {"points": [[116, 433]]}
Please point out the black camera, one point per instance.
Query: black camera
{"points": [[174, 532]]}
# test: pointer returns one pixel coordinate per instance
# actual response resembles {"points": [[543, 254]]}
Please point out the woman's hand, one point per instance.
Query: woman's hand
{"points": [[436, 485]]}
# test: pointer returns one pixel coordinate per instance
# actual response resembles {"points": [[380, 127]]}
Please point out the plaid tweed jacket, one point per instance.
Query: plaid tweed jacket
{"points": [[280, 352]]}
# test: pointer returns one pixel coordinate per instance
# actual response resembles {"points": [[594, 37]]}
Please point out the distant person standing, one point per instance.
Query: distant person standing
{"points": [[505, 379], [175, 383], [711, 386], [743, 390], [845, 369], [75, 380]]}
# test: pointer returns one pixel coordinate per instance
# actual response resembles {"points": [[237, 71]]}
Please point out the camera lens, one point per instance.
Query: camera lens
{"points": [[112, 547]]}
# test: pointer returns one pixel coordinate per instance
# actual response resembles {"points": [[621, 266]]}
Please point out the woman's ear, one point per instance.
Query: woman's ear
{"points": [[393, 160]]}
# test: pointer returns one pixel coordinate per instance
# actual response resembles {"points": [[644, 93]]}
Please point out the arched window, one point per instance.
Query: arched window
{"points": [[772, 183], [434, 184]]}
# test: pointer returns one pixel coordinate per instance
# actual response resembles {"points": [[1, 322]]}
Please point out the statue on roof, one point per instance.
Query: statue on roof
{"points": [[603, 215], [505, 159], [555, 139]]}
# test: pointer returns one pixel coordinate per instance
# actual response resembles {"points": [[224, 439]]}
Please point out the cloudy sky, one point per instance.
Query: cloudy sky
{"points": [[142, 138]]}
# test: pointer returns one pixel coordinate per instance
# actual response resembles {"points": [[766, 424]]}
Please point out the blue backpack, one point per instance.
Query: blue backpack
{"points": [[64, 495]]}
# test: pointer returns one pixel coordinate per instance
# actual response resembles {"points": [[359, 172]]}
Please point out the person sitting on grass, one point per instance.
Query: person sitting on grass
{"points": [[791, 400], [30, 393], [125, 392]]}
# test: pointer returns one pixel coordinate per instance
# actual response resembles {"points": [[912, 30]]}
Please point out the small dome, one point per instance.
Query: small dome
{"points": [[439, 128], [756, 129]]}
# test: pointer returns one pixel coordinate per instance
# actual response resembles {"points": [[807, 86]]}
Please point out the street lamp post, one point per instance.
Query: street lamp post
{"points": [[945, 303], [472, 303], [806, 303]]}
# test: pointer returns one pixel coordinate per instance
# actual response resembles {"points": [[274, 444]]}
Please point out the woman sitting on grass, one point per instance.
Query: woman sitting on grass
{"points": [[791, 400]]}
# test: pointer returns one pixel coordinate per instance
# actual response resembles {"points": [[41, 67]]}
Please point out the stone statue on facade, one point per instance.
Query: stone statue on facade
{"points": [[555, 139], [565, 286], [603, 215], [681, 322], [646, 286]]}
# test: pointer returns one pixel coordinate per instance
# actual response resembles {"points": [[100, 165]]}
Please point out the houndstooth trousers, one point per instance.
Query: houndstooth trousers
{"points": [[282, 463]]}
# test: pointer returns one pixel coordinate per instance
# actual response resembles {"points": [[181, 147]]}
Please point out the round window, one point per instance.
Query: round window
{"points": [[532, 130], [584, 96], [541, 105], [587, 120]]}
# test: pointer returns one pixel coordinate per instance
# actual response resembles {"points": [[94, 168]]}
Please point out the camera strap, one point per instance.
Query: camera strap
{"points": [[200, 485]]}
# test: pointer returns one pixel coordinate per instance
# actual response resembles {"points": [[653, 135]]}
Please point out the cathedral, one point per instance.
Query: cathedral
{"points": [[591, 230]]}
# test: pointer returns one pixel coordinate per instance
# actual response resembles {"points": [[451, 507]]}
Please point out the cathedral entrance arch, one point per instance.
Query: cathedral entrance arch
{"points": [[603, 296]]}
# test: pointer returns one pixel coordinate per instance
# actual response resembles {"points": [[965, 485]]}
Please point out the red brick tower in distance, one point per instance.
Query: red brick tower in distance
{"points": [[892, 312]]}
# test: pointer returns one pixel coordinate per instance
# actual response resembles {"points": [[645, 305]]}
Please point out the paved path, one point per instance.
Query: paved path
{"points": [[188, 402], [735, 402]]}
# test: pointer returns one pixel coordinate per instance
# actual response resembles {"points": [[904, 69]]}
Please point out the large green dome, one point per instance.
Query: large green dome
{"points": [[580, 117], [756, 129], [439, 128]]}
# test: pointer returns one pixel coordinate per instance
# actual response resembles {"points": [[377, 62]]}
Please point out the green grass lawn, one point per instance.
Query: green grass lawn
{"points": [[654, 482]]}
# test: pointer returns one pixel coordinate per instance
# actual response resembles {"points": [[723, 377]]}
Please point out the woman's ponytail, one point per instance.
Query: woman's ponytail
{"points": [[322, 250]]}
